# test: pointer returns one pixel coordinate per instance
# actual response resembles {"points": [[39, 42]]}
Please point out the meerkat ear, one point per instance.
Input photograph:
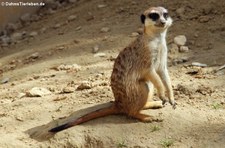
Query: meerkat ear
{"points": [[143, 18]]}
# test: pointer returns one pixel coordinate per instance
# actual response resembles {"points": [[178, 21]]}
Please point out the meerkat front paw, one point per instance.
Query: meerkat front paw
{"points": [[173, 103]]}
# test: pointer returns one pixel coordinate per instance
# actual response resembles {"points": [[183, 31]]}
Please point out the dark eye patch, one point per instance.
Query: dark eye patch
{"points": [[165, 15], [154, 16]]}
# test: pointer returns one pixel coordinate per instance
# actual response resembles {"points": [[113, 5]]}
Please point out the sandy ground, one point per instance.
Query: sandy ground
{"points": [[198, 121]]}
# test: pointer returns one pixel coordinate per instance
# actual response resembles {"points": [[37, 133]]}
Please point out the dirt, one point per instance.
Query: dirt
{"points": [[47, 59]]}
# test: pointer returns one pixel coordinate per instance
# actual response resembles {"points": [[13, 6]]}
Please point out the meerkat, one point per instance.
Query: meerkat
{"points": [[139, 68]]}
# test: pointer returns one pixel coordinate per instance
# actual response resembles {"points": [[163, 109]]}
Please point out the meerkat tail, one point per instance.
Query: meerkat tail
{"points": [[93, 115]]}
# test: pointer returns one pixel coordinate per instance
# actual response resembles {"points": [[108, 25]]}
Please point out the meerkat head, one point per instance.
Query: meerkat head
{"points": [[156, 19]]}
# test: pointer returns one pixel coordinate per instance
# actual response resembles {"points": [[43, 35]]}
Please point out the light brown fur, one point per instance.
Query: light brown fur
{"points": [[139, 68]]}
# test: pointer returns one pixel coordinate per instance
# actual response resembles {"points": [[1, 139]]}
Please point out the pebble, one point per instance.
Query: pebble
{"points": [[204, 19], [198, 64], [34, 56], [33, 34], [102, 6], [100, 54], [134, 34], [71, 18], [183, 49], [95, 49], [84, 85], [21, 95], [74, 67], [5, 80], [105, 29], [68, 89], [78, 28], [180, 40], [57, 26], [38, 92]]}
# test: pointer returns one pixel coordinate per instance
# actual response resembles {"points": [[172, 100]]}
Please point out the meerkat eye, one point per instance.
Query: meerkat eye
{"points": [[165, 15], [154, 16]]}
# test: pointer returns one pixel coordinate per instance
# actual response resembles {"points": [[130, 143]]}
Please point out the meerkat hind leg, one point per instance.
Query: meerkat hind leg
{"points": [[146, 118]]}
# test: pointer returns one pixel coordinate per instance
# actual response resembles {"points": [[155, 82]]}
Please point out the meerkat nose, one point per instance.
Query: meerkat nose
{"points": [[163, 22]]}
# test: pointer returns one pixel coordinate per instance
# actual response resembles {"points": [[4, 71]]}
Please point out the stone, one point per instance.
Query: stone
{"points": [[4, 80], [102, 6], [100, 54], [34, 56], [105, 29], [84, 85], [71, 18], [38, 92], [74, 67], [33, 34], [183, 49], [134, 34], [198, 64], [57, 26], [204, 19], [21, 95], [68, 89], [180, 40]]}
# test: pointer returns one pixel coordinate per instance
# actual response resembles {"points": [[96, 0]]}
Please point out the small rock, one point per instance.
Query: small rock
{"points": [[102, 6], [57, 26], [222, 101], [73, 67], [68, 90], [33, 34], [34, 56], [78, 28], [95, 49], [21, 95], [5, 80], [84, 85], [38, 92], [183, 49], [198, 64], [134, 34], [100, 54], [105, 29], [71, 18], [180, 40], [204, 19]]}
